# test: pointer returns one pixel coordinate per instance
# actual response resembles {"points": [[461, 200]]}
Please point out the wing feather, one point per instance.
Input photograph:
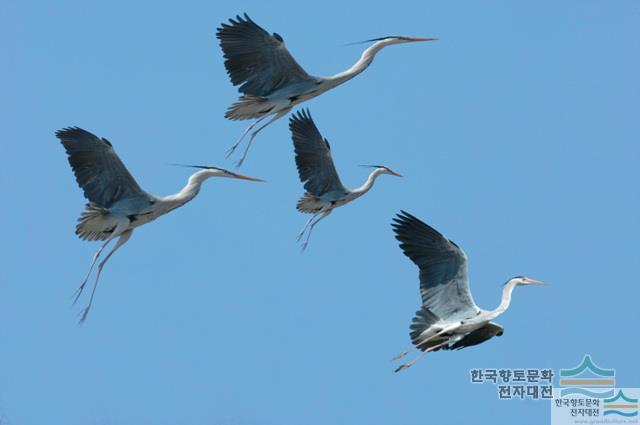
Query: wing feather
{"points": [[478, 336], [256, 59], [313, 156], [443, 267], [98, 169]]}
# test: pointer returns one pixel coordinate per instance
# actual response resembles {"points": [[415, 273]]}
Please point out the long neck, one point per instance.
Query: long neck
{"points": [[191, 189], [506, 298], [362, 63], [368, 184]]}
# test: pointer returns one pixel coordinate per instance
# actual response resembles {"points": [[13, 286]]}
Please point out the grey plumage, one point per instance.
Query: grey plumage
{"points": [[313, 156], [270, 79], [442, 264], [448, 318], [98, 170], [316, 170], [478, 336], [257, 61], [117, 203], [94, 223], [423, 320]]}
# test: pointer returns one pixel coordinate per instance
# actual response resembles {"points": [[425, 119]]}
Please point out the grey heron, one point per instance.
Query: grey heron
{"points": [[117, 204], [324, 190], [448, 318], [270, 79]]}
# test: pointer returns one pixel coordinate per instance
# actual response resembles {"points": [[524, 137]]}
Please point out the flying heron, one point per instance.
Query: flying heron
{"points": [[270, 79], [117, 204], [448, 318], [316, 170]]}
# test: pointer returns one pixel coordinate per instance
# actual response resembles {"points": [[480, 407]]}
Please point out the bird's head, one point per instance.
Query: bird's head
{"points": [[383, 170], [221, 172], [398, 39], [523, 280]]}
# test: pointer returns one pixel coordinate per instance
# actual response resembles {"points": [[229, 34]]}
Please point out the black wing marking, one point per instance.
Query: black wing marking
{"points": [[256, 59], [313, 156], [442, 264], [98, 170]]}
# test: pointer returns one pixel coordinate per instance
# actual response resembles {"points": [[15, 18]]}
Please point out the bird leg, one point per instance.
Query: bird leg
{"points": [[402, 354], [306, 226], [445, 330], [78, 292], [306, 242], [414, 361], [255, 133], [247, 130], [124, 237]]}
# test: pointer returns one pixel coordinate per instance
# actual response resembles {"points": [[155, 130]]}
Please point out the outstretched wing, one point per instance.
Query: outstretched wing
{"points": [[443, 267], [256, 59], [478, 336], [99, 172], [313, 156]]}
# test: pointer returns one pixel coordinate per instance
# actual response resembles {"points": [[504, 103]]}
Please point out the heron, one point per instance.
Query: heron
{"points": [[270, 79], [448, 318], [324, 190], [117, 204]]}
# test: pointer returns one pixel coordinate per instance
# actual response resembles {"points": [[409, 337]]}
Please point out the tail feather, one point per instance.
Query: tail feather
{"points": [[422, 321], [248, 107], [309, 203], [95, 223]]}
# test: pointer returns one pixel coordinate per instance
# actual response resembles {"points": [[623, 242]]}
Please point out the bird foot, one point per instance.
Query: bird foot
{"points": [[77, 294], [231, 150], [402, 367], [83, 315], [401, 355], [239, 162]]}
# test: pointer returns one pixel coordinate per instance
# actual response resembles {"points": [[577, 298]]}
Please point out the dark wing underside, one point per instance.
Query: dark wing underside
{"points": [[256, 59], [313, 156], [442, 264], [478, 336], [98, 170]]}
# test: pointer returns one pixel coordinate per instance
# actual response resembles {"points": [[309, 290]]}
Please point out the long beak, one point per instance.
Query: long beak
{"points": [[420, 39], [396, 174], [534, 282], [240, 176], [407, 39]]}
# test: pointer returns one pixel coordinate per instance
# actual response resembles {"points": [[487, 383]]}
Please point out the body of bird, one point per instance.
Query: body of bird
{"points": [[137, 210], [117, 204], [325, 191], [448, 319], [271, 80]]}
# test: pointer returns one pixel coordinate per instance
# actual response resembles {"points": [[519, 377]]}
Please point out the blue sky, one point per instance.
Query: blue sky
{"points": [[517, 133]]}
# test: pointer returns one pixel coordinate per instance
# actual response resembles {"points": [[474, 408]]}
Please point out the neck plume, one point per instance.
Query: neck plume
{"points": [[362, 63]]}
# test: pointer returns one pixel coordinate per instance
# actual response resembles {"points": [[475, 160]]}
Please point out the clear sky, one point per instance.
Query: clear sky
{"points": [[518, 135]]}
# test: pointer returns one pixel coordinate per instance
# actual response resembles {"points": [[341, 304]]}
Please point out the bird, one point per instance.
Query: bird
{"points": [[270, 79], [324, 190], [117, 204], [448, 319]]}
